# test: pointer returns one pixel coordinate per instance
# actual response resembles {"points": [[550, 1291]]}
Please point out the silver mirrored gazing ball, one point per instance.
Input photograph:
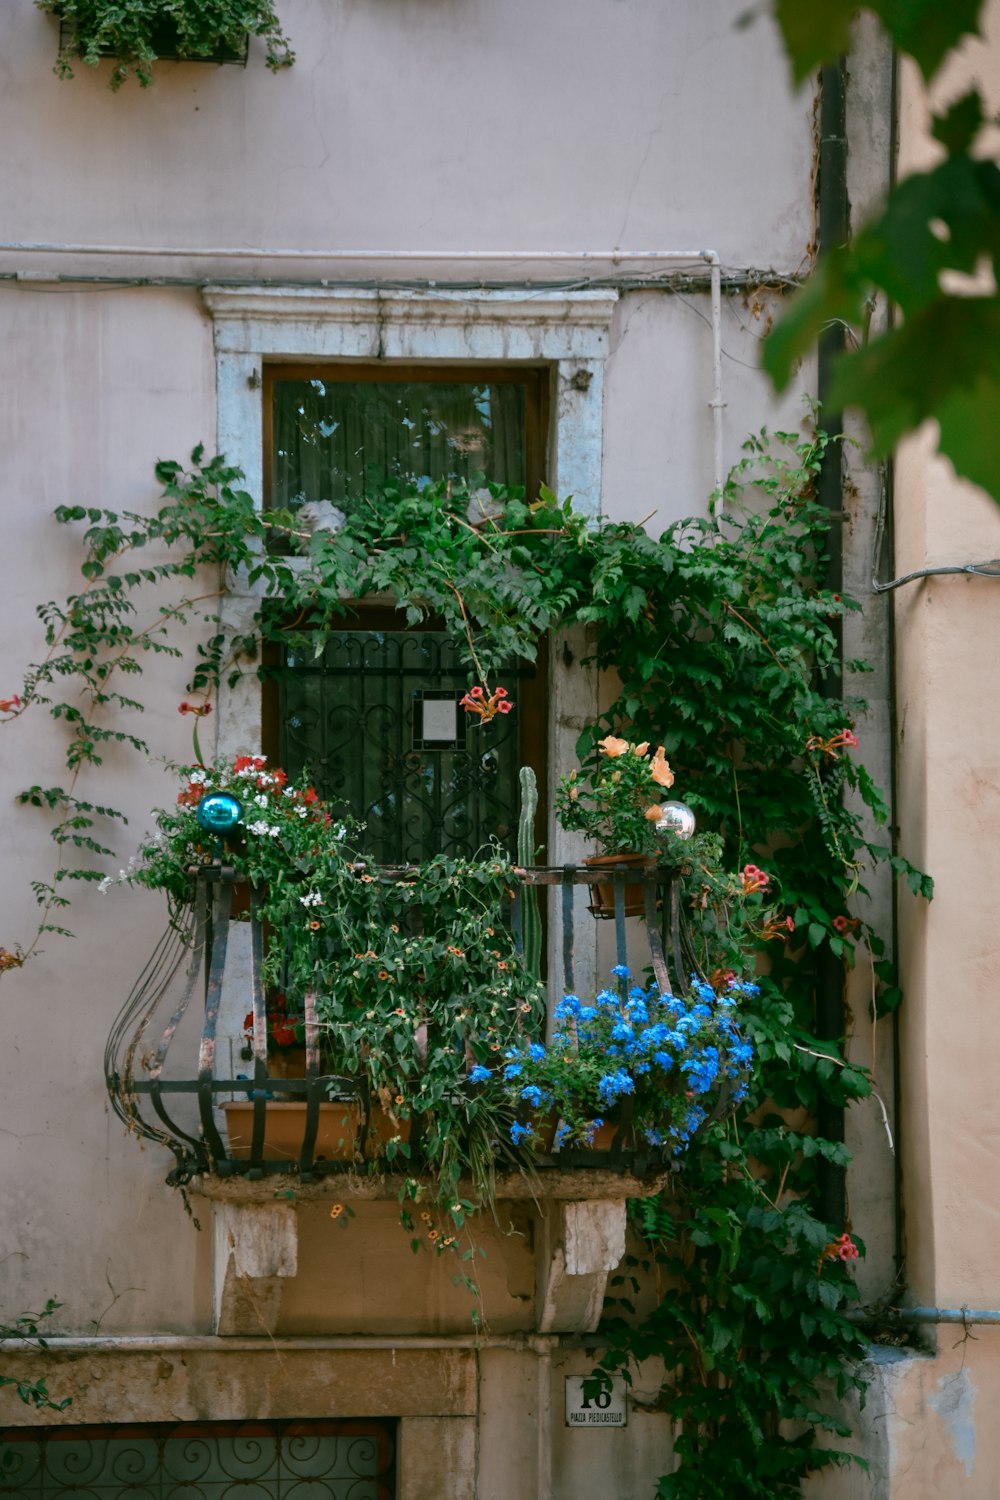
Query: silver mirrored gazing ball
{"points": [[678, 818]]}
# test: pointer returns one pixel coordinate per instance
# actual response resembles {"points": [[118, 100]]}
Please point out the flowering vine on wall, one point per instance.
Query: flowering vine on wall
{"points": [[719, 636]]}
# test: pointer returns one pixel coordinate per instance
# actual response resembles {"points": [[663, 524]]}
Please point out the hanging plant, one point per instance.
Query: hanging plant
{"points": [[139, 33]]}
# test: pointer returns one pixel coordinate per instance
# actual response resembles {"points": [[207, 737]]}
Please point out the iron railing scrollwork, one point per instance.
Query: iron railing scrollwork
{"points": [[171, 1080]]}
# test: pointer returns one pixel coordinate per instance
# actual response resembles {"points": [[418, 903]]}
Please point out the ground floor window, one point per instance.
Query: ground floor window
{"points": [[352, 1460]]}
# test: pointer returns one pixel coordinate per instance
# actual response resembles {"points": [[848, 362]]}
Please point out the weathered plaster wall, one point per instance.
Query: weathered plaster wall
{"points": [[452, 123], [443, 123], [96, 385], [950, 799]]}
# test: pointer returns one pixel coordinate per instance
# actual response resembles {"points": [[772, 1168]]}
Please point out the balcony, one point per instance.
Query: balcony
{"points": [[180, 1071]]}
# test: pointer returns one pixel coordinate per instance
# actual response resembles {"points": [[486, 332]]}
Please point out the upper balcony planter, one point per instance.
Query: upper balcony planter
{"points": [[429, 1052], [204, 1081], [138, 35]]}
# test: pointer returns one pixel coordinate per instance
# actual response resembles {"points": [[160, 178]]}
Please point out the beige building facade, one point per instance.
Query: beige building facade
{"points": [[618, 195]]}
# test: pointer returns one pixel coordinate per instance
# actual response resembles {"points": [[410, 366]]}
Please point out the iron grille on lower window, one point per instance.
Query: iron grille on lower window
{"points": [[207, 1461]]}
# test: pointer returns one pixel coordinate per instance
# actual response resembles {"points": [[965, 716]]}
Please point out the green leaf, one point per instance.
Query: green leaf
{"points": [[926, 29], [959, 126]]}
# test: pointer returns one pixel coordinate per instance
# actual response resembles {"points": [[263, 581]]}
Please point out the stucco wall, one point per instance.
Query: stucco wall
{"points": [[426, 123], [445, 124]]}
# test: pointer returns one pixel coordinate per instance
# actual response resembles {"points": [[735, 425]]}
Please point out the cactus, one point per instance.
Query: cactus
{"points": [[531, 921]]}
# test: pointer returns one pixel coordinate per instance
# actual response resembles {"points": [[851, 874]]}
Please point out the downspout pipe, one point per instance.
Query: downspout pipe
{"points": [[833, 229], [917, 1315]]}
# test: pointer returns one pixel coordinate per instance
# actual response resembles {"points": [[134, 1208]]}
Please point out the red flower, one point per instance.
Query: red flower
{"points": [[283, 1032], [8, 705], [754, 879], [486, 705], [844, 737], [198, 709]]}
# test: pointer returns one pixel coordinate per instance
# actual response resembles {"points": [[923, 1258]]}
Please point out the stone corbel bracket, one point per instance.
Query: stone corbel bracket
{"points": [[579, 1245], [256, 1248]]}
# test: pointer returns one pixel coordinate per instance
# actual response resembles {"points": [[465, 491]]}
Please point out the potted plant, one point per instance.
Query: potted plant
{"points": [[649, 1068], [138, 33], [413, 971], [617, 803]]}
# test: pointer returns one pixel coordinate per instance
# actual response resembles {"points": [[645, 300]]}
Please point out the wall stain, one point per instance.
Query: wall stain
{"points": [[953, 1400]]}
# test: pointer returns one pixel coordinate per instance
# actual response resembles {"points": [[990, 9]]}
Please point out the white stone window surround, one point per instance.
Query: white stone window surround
{"points": [[567, 330]]}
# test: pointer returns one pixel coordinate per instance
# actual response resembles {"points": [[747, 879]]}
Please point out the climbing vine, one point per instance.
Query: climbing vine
{"points": [[724, 642]]}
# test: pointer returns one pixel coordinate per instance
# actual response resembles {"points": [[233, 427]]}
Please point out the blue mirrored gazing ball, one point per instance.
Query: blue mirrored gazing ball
{"points": [[218, 812]]}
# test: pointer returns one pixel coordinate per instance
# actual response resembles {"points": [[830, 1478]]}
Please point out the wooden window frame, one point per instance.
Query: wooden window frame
{"points": [[532, 695], [537, 382]]}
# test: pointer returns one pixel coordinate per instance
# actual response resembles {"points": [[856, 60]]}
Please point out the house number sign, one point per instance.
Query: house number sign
{"points": [[595, 1401]]}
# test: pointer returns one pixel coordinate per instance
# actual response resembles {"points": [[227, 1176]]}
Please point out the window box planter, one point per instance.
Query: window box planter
{"points": [[137, 36], [164, 41]]}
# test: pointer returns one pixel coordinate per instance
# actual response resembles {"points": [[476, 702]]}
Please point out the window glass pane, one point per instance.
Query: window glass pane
{"points": [[334, 438]]}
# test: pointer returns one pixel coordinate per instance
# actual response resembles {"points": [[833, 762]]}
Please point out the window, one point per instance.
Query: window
{"points": [[332, 430], [375, 717], [205, 1461], [260, 332]]}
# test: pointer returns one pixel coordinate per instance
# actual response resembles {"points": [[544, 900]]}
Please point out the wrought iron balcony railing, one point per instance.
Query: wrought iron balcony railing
{"points": [[176, 1060]]}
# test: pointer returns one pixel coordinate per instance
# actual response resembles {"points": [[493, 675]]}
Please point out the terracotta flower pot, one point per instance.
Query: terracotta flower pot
{"points": [[338, 1135], [603, 894]]}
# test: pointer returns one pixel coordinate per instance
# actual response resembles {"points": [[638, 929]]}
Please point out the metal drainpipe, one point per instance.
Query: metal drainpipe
{"points": [[899, 1247], [520, 258], [833, 228], [925, 1315]]}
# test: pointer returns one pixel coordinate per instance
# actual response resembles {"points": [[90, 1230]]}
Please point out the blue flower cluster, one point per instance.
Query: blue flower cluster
{"points": [[672, 1055]]}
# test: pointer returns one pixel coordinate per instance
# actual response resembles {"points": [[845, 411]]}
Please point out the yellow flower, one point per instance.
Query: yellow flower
{"points": [[612, 747], [660, 770], [336, 1211]]}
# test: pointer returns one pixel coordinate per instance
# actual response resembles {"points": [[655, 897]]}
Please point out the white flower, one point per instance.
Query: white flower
{"points": [[198, 777], [105, 886], [303, 812], [275, 832], [312, 899], [260, 801], [341, 832], [260, 827]]}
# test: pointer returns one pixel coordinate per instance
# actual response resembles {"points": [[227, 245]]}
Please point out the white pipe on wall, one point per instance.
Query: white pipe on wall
{"points": [[446, 257]]}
